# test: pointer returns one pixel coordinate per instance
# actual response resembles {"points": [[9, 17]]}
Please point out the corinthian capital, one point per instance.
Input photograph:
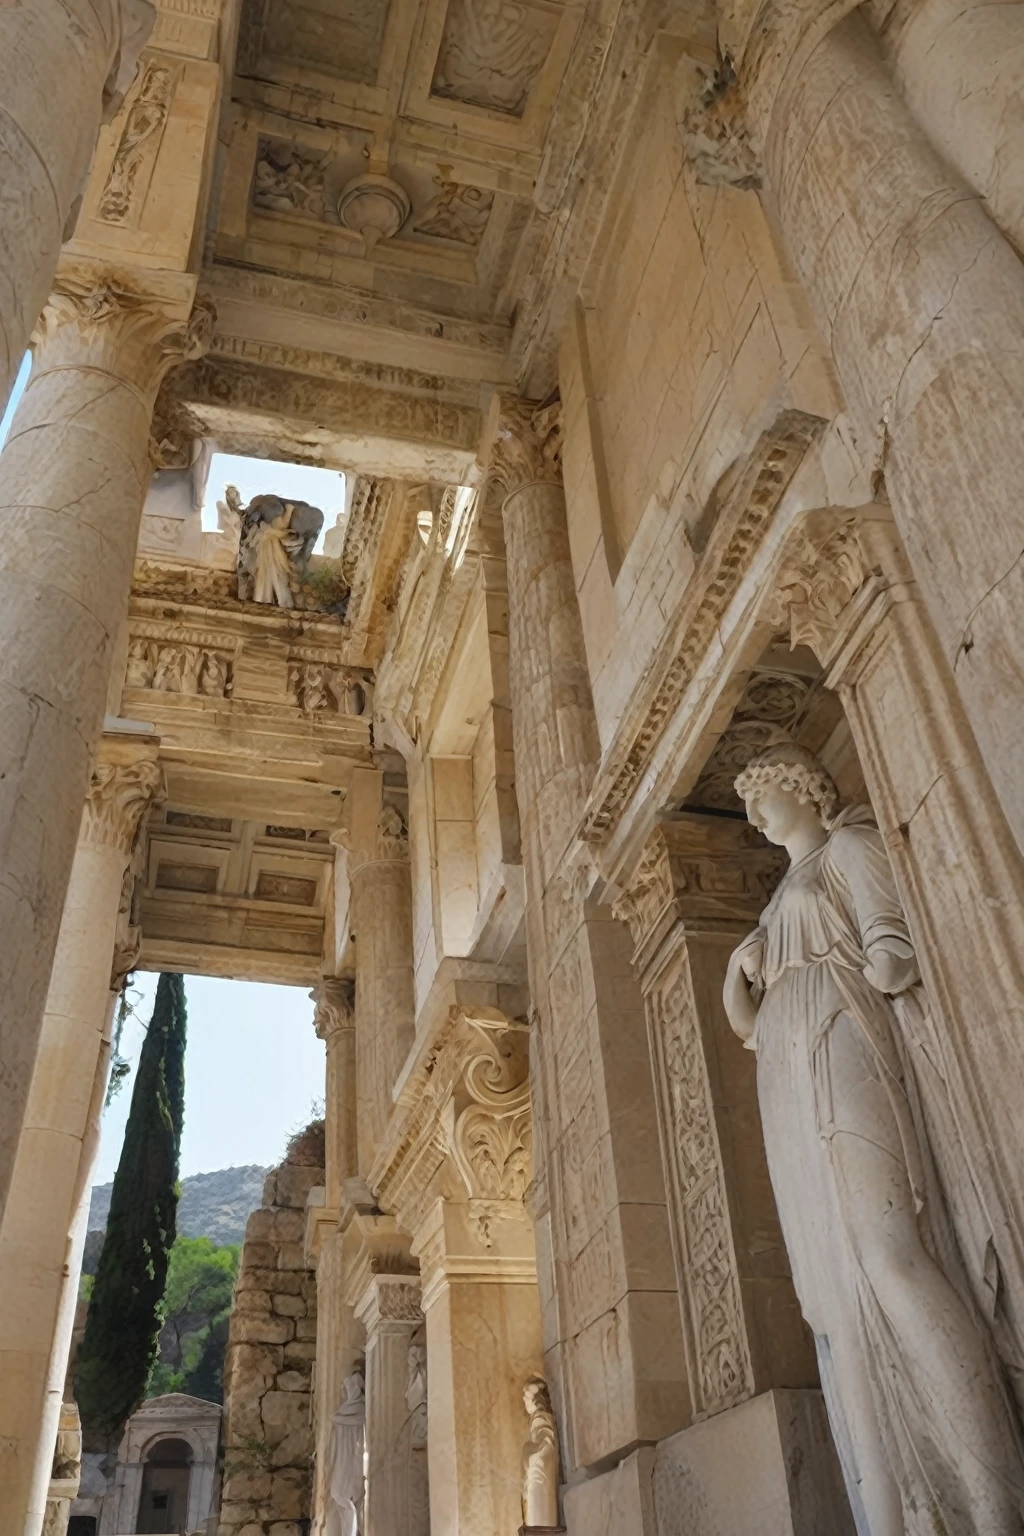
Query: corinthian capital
{"points": [[99, 318], [335, 1002], [119, 795], [527, 445]]}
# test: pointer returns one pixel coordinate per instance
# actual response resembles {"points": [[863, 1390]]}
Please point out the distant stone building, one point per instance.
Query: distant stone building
{"points": [[164, 1478]]}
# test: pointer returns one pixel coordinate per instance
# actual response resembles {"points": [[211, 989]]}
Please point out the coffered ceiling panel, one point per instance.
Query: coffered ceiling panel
{"points": [[492, 52]]}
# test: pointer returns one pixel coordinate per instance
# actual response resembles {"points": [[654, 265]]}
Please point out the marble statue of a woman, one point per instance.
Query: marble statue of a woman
{"points": [[345, 1478], [916, 1398], [540, 1460]]}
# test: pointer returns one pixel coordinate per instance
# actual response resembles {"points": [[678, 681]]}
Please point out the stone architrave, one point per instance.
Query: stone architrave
{"points": [[600, 1189], [456, 1172], [851, 595], [73, 475], [43, 1231], [698, 889], [390, 1312], [88, 52], [916, 291], [334, 1022]]}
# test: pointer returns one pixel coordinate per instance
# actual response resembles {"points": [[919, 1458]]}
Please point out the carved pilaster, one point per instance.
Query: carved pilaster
{"points": [[699, 887], [816, 587]]}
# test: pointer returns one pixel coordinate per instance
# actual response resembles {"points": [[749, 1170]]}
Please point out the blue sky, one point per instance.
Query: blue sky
{"points": [[254, 1070], [16, 394]]}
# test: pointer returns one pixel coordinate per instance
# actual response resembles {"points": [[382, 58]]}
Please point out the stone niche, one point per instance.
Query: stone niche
{"points": [[268, 1435]]}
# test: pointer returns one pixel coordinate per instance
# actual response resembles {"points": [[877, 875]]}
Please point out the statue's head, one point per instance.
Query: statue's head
{"points": [[535, 1396], [785, 785]]}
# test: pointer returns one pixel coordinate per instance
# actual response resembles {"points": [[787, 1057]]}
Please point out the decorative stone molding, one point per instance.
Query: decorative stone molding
{"points": [[467, 1101], [713, 128], [816, 587], [528, 444], [140, 138], [694, 878], [741, 524], [118, 796], [335, 1006]]}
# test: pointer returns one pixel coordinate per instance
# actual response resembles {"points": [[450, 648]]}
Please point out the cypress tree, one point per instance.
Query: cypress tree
{"points": [[125, 1314]]}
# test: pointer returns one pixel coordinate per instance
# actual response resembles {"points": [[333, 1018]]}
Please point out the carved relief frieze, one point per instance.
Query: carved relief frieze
{"points": [[179, 668], [139, 141], [321, 689], [328, 365], [289, 179], [492, 52], [456, 212], [741, 525]]}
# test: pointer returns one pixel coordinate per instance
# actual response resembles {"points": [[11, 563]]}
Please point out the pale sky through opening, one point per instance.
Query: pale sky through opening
{"points": [[17, 391], [254, 1073], [324, 488]]}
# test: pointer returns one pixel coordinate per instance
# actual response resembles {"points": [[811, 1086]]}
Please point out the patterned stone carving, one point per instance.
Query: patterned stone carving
{"points": [[713, 130], [492, 51], [289, 179], [118, 795], [392, 842], [335, 1003], [145, 122], [815, 586], [397, 1300], [321, 689], [742, 523], [769, 711], [491, 1138], [528, 445], [455, 213], [175, 668]]}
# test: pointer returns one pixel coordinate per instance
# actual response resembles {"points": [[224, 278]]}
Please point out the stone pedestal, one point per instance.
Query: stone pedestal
{"points": [[87, 52], [396, 1485], [917, 293], [73, 474], [698, 890], [44, 1221]]}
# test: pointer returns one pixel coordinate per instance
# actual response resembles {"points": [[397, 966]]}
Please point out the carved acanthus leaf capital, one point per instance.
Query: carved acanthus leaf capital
{"points": [[528, 444], [96, 319], [815, 587], [713, 128], [490, 1138], [335, 1003], [118, 796]]}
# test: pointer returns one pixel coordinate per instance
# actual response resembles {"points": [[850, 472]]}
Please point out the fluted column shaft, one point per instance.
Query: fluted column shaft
{"points": [[73, 474], [85, 50], [921, 301], [334, 1022], [42, 1233]]}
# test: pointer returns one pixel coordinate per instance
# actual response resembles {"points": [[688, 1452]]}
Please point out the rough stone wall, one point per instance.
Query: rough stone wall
{"points": [[267, 1440]]}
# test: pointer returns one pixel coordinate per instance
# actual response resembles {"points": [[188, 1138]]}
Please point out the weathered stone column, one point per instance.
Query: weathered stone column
{"points": [[396, 1496], [960, 67], [921, 301], [851, 596], [86, 51], [699, 889], [381, 909], [334, 1022], [43, 1231], [613, 1351], [73, 475]]}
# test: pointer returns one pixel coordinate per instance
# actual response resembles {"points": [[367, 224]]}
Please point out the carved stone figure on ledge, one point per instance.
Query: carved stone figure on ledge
{"points": [[345, 1479], [540, 1463], [274, 547], [826, 991]]}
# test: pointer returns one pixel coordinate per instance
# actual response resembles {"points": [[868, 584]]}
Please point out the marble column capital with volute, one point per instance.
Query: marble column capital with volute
{"points": [[526, 443]]}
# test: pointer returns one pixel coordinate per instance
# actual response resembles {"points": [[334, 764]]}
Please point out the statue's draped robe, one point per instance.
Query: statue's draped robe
{"points": [[834, 1057], [345, 1485]]}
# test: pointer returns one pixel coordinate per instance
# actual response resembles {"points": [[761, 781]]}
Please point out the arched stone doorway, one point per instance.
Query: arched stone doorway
{"points": [[163, 1505]]}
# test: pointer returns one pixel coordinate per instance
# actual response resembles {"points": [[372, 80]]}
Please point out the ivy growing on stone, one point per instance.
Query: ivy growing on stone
{"points": [[125, 1316]]}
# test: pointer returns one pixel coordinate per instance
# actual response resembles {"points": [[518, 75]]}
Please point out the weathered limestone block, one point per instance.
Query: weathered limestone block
{"points": [[268, 1436], [73, 474]]}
